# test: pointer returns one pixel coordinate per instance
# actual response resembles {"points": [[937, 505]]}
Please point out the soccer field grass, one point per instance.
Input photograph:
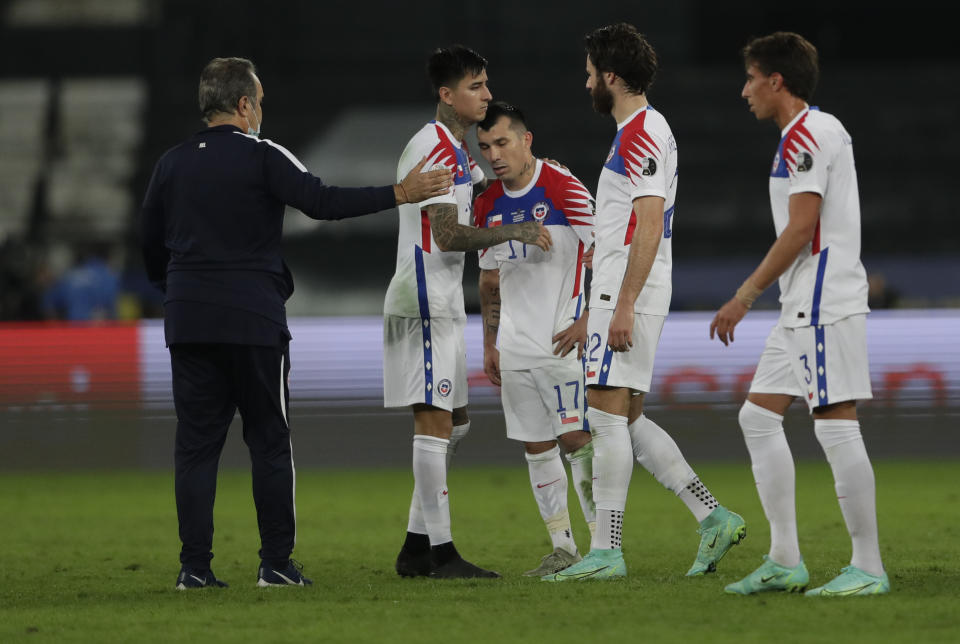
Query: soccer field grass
{"points": [[92, 556]]}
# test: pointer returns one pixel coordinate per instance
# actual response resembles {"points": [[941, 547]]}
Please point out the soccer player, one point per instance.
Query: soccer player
{"points": [[818, 349], [537, 298], [629, 298], [424, 355]]}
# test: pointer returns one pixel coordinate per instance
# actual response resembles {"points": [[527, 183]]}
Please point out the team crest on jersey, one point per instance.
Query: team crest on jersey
{"points": [[804, 161], [540, 210], [613, 150], [444, 387], [776, 161], [648, 167]]}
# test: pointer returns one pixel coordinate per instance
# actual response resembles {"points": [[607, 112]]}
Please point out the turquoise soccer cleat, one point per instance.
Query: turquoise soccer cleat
{"points": [[852, 582], [719, 532], [597, 565], [771, 576]]}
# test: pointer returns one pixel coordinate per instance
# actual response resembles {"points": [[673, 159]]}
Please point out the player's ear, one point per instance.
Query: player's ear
{"points": [[446, 95], [528, 138]]}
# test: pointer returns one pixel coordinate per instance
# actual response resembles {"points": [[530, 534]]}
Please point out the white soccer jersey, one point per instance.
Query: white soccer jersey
{"points": [[428, 282], [826, 282], [541, 292], [642, 162]]}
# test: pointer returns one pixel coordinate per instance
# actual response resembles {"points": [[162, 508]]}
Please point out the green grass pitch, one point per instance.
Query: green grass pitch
{"points": [[92, 557]]}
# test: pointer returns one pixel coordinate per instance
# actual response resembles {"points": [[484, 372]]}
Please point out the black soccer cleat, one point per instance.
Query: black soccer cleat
{"points": [[292, 575], [192, 578], [448, 564], [414, 559]]}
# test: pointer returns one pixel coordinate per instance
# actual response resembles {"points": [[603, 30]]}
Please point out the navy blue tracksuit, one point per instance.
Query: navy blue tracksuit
{"points": [[211, 228]]}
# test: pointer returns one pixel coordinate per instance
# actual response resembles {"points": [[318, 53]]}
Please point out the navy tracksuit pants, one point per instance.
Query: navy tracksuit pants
{"points": [[210, 383]]}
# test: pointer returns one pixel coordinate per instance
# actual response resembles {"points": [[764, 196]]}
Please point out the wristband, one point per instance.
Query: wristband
{"points": [[748, 293]]}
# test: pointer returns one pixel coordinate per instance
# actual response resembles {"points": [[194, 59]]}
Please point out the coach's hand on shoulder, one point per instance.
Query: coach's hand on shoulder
{"points": [[533, 232], [574, 335], [556, 163], [726, 319], [418, 186]]}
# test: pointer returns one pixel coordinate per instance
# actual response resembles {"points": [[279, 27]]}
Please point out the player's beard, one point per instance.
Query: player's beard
{"points": [[602, 97]]}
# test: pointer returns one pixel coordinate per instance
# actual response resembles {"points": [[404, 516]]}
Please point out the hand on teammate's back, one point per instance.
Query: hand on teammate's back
{"points": [[419, 186]]}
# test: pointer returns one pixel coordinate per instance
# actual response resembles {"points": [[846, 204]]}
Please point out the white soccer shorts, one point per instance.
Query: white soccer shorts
{"points": [[822, 364], [632, 369], [542, 403], [424, 361]]}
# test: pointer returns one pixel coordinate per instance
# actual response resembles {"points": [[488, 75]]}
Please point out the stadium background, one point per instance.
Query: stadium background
{"points": [[92, 92]]}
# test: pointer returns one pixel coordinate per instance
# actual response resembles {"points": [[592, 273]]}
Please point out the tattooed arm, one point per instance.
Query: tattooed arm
{"points": [[490, 313], [452, 235]]}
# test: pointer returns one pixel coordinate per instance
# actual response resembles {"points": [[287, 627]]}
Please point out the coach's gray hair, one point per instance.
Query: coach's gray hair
{"points": [[223, 82]]}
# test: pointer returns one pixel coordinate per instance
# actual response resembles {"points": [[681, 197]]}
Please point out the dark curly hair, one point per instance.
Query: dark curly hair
{"points": [[621, 49]]}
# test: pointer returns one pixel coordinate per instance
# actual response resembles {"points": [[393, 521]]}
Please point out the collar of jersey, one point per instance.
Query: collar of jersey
{"points": [[449, 133], [624, 122], [220, 128], [524, 190], [796, 118]]}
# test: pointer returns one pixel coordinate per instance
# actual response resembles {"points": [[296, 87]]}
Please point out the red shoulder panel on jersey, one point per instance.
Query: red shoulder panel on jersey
{"points": [[566, 191], [443, 152], [797, 138], [635, 145]]}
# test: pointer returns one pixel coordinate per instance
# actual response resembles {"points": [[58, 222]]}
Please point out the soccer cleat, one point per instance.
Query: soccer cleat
{"points": [[771, 576], [554, 562], [719, 532], [597, 565], [292, 575], [414, 559], [190, 578], [448, 564], [852, 581]]}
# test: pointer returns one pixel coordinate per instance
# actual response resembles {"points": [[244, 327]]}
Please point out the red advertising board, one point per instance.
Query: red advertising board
{"points": [[69, 364]]}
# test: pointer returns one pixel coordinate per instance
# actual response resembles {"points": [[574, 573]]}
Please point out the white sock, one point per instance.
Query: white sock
{"points": [[430, 486], [657, 452], [775, 476], [581, 470], [456, 435], [548, 480], [853, 476], [415, 521], [698, 499], [609, 530], [612, 469]]}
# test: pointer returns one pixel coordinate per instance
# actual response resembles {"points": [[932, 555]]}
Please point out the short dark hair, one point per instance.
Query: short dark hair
{"points": [[498, 109], [790, 55], [621, 49], [448, 65], [223, 82]]}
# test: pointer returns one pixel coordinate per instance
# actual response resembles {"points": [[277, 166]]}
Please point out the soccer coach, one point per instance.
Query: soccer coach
{"points": [[211, 226]]}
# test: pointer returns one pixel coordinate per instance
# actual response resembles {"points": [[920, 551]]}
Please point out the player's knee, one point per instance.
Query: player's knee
{"points": [[757, 421], [572, 441], [546, 455], [460, 416], [832, 433]]}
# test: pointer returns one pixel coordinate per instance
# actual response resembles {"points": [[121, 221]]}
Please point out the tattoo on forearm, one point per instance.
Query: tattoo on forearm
{"points": [[451, 235]]}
